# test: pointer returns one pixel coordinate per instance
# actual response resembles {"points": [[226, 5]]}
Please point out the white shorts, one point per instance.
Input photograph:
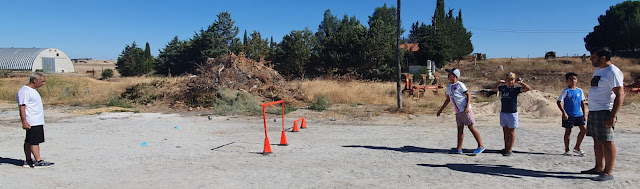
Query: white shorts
{"points": [[509, 120]]}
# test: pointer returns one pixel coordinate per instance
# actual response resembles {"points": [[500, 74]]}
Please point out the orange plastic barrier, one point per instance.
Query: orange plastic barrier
{"points": [[283, 137]]}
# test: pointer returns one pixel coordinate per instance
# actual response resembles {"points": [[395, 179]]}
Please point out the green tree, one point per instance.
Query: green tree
{"points": [[445, 40], [293, 56], [320, 56], [185, 57], [131, 61], [461, 39], [149, 60], [257, 48], [222, 35], [381, 46], [147, 51], [341, 45], [273, 46], [416, 32], [171, 58], [617, 29]]}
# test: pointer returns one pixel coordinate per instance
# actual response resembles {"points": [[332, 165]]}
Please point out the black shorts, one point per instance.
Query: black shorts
{"points": [[573, 121], [35, 135]]}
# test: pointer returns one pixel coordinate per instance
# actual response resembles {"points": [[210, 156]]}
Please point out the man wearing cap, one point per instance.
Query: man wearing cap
{"points": [[509, 110], [605, 99], [457, 93]]}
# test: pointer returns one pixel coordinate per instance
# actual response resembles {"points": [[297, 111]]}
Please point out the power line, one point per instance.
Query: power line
{"points": [[525, 30]]}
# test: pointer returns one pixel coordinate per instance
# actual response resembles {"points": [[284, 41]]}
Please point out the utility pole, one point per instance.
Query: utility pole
{"points": [[399, 92]]}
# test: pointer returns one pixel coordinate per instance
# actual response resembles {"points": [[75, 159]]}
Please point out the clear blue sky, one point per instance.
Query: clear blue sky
{"points": [[101, 29]]}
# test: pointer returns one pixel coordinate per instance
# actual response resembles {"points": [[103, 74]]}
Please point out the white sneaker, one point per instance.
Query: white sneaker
{"points": [[579, 152], [567, 153]]}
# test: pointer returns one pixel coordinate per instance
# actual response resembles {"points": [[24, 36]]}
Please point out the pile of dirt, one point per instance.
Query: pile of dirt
{"points": [[533, 103]]}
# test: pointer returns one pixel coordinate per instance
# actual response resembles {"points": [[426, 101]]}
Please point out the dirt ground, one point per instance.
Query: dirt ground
{"points": [[95, 65], [385, 151]]}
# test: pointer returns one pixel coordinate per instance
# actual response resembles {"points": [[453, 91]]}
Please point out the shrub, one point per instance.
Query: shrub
{"points": [[4, 73], [143, 93], [107, 73], [278, 111], [319, 103], [118, 102], [228, 102]]}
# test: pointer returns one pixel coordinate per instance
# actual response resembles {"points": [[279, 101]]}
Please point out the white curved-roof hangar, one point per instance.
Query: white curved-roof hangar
{"points": [[49, 60]]}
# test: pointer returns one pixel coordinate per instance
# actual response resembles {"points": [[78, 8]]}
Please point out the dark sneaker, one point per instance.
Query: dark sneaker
{"points": [[592, 171], [42, 164], [603, 177], [28, 163], [507, 153], [455, 151]]}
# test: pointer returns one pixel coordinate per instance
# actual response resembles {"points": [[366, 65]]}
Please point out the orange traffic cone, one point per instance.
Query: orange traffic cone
{"points": [[283, 139], [304, 124], [267, 146], [295, 127]]}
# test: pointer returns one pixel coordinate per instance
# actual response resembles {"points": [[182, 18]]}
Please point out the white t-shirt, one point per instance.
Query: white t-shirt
{"points": [[34, 110], [455, 92], [604, 80]]}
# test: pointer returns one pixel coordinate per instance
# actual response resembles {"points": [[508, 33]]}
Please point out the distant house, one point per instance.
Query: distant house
{"points": [[410, 47], [412, 63], [48, 60]]}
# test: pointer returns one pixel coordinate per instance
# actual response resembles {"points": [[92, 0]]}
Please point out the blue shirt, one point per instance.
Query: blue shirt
{"points": [[509, 98], [572, 101]]}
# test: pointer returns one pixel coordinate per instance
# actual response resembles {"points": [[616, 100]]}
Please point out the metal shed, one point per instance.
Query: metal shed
{"points": [[48, 60]]}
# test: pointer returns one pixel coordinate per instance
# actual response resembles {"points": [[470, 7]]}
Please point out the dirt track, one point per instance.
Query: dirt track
{"points": [[388, 151]]}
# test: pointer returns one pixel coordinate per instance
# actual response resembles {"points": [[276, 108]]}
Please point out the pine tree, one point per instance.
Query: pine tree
{"points": [[617, 29], [381, 44], [171, 59], [147, 51], [445, 39], [131, 61], [293, 57], [257, 48]]}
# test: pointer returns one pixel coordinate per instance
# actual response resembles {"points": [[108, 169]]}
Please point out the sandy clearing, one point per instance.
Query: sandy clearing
{"points": [[388, 151]]}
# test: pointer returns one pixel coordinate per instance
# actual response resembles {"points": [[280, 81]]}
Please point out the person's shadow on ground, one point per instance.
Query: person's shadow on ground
{"points": [[505, 171], [414, 149], [16, 162]]}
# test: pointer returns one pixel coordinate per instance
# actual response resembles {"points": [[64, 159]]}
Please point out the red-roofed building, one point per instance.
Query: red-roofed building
{"points": [[411, 47]]}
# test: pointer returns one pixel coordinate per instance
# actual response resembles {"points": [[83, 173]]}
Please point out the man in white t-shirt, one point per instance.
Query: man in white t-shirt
{"points": [[605, 99], [458, 94], [32, 116]]}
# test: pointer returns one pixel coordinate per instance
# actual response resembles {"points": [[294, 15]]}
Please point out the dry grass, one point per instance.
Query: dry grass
{"points": [[71, 90], [371, 93], [543, 75]]}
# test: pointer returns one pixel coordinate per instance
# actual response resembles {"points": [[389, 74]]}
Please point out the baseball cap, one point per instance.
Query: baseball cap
{"points": [[454, 71]]}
